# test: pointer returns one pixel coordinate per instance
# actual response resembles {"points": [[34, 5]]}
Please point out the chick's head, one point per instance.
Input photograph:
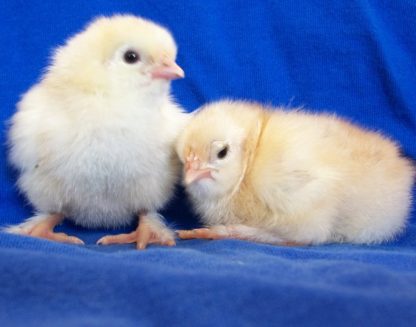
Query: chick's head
{"points": [[121, 52], [214, 148]]}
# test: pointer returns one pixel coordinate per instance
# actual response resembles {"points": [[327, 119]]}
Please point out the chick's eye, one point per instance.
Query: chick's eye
{"points": [[222, 153], [131, 57]]}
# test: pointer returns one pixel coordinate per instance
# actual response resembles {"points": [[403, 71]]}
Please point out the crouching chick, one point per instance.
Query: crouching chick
{"points": [[290, 177]]}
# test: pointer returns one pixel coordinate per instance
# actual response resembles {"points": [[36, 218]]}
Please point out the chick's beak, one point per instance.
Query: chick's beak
{"points": [[194, 173], [168, 70]]}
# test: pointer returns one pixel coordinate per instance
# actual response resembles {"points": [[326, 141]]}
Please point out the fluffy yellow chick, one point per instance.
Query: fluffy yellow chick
{"points": [[290, 177], [94, 139]]}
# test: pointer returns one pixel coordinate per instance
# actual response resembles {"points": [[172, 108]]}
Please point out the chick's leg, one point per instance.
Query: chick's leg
{"points": [[42, 226], [240, 232], [150, 230]]}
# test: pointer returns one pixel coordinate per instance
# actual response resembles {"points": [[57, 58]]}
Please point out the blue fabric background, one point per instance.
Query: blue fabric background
{"points": [[356, 58]]}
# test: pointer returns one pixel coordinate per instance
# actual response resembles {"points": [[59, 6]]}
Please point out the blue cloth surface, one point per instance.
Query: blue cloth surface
{"points": [[356, 58]]}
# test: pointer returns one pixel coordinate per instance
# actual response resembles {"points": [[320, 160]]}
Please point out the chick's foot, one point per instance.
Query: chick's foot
{"points": [[42, 226], [238, 232], [151, 230]]}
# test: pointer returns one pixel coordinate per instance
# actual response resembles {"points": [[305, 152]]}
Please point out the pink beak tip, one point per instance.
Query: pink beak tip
{"points": [[194, 175], [169, 72]]}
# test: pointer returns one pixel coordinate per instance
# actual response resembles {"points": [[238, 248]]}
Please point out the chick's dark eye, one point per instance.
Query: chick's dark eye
{"points": [[223, 153], [131, 57]]}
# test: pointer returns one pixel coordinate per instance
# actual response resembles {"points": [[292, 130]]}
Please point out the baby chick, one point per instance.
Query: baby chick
{"points": [[289, 177], [94, 139]]}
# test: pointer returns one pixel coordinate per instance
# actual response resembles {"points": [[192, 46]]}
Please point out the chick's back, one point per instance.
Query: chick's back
{"points": [[331, 180]]}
